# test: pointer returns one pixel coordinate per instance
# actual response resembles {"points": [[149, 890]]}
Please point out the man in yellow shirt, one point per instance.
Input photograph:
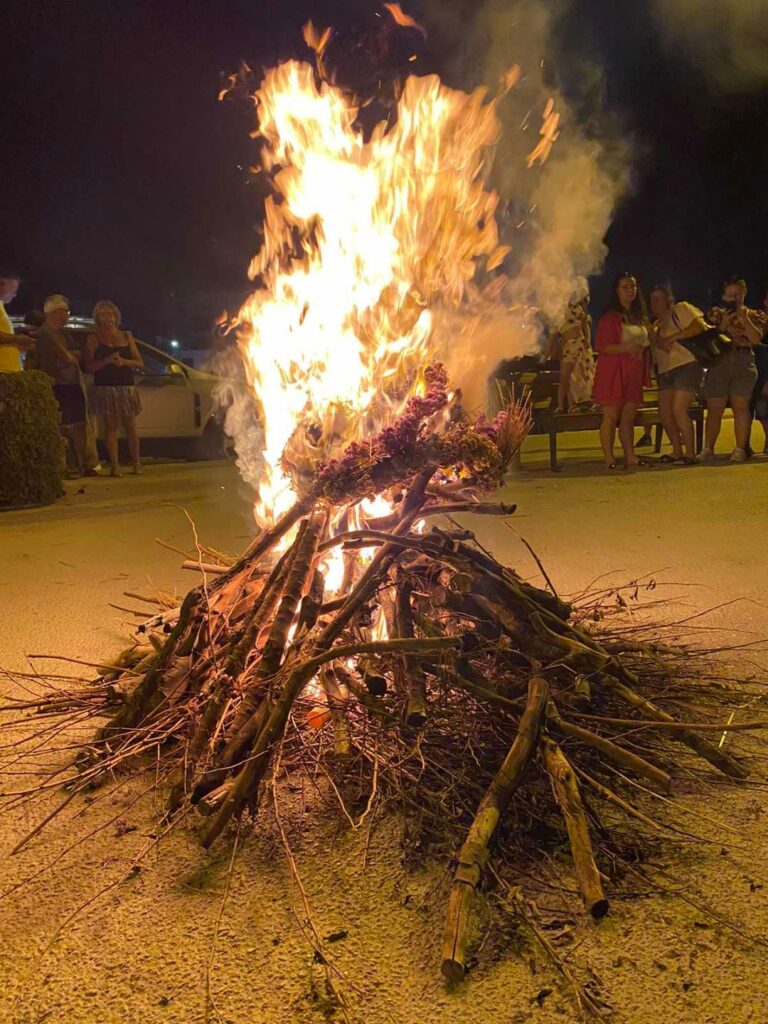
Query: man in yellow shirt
{"points": [[11, 345]]}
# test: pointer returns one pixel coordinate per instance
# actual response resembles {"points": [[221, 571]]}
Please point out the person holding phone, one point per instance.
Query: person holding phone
{"points": [[678, 373], [54, 356], [733, 376], [112, 357], [11, 345], [622, 368], [760, 394]]}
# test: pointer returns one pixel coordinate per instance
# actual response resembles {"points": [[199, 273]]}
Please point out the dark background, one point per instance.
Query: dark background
{"points": [[125, 178]]}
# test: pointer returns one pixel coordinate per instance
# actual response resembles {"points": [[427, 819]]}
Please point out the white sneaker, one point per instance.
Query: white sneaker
{"points": [[705, 455], [738, 455]]}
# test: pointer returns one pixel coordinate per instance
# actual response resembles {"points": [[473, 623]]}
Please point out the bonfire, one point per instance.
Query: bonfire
{"points": [[366, 628]]}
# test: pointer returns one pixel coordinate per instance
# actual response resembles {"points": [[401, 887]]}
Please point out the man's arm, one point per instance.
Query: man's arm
{"points": [[23, 342], [60, 350]]}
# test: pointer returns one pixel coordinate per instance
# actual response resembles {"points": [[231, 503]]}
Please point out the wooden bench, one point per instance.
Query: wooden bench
{"points": [[540, 387]]}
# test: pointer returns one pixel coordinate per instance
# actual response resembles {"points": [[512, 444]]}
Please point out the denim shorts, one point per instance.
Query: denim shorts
{"points": [[683, 378], [733, 374]]}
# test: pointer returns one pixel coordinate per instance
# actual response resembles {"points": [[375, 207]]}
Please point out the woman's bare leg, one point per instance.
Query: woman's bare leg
{"points": [[627, 433], [715, 410], [566, 372], [608, 432], [669, 421], [110, 441], [742, 420], [78, 442], [680, 407], [132, 435]]}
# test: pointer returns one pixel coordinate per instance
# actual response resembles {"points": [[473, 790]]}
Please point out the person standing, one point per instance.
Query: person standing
{"points": [[622, 368], [54, 357], [11, 345], [678, 373], [577, 361], [112, 358], [760, 394], [733, 376]]}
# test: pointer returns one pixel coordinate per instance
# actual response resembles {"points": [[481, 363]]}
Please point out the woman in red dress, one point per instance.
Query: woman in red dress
{"points": [[622, 368]]}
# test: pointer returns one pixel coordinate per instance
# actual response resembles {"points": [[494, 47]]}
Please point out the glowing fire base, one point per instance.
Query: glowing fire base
{"points": [[436, 682]]}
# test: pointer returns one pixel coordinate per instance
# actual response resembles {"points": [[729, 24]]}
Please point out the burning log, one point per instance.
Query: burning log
{"points": [[415, 683]]}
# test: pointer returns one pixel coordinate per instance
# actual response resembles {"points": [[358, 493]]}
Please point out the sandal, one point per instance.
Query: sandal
{"points": [[668, 460], [645, 462], [685, 460], [610, 465]]}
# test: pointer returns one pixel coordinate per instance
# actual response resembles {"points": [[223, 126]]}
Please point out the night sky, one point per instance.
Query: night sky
{"points": [[125, 178]]}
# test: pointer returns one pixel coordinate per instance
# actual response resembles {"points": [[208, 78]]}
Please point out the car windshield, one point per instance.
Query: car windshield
{"points": [[155, 365]]}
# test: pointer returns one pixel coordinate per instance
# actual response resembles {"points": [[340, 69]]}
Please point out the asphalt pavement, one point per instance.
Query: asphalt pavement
{"points": [[703, 527]]}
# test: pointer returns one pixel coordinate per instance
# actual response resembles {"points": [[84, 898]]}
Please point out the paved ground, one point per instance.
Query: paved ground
{"points": [[63, 565], [141, 954]]}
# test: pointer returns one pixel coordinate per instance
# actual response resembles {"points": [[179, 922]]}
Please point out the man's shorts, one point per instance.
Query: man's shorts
{"points": [[683, 378], [733, 375]]}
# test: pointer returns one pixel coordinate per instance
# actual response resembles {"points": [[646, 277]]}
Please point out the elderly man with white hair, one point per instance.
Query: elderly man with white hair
{"points": [[54, 357]]}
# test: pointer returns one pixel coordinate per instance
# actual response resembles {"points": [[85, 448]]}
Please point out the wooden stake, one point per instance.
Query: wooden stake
{"points": [[416, 708], [566, 791], [474, 852]]}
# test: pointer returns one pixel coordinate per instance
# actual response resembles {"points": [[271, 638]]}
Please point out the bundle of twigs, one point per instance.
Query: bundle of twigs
{"points": [[446, 680]]}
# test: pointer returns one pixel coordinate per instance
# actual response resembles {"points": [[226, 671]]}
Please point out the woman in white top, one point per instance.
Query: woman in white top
{"points": [[678, 372]]}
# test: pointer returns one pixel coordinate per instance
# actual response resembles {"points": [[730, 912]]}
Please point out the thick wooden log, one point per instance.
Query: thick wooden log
{"points": [[474, 852], [342, 745], [413, 674], [717, 757], [612, 750], [568, 796]]}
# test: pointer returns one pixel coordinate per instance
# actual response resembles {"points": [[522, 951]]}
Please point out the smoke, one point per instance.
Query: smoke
{"points": [[233, 395], [556, 212], [559, 172], [727, 40]]}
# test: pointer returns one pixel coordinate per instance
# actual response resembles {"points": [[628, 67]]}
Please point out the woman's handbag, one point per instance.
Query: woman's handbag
{"points": [[705, 347]]}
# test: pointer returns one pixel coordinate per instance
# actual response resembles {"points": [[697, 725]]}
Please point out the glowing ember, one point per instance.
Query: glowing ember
{"points": [[365, 239], [401, 18], [549, 131]]}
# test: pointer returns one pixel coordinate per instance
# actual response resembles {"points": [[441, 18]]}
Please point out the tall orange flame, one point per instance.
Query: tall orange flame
{"points": [[364, 240]]}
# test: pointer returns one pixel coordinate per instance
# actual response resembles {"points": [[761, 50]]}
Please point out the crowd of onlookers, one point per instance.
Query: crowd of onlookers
{"points": [[720, 355], [110, 355]]}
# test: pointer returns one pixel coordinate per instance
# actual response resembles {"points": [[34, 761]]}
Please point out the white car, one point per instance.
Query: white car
{"points": [[178, 405], [179, 415]]}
